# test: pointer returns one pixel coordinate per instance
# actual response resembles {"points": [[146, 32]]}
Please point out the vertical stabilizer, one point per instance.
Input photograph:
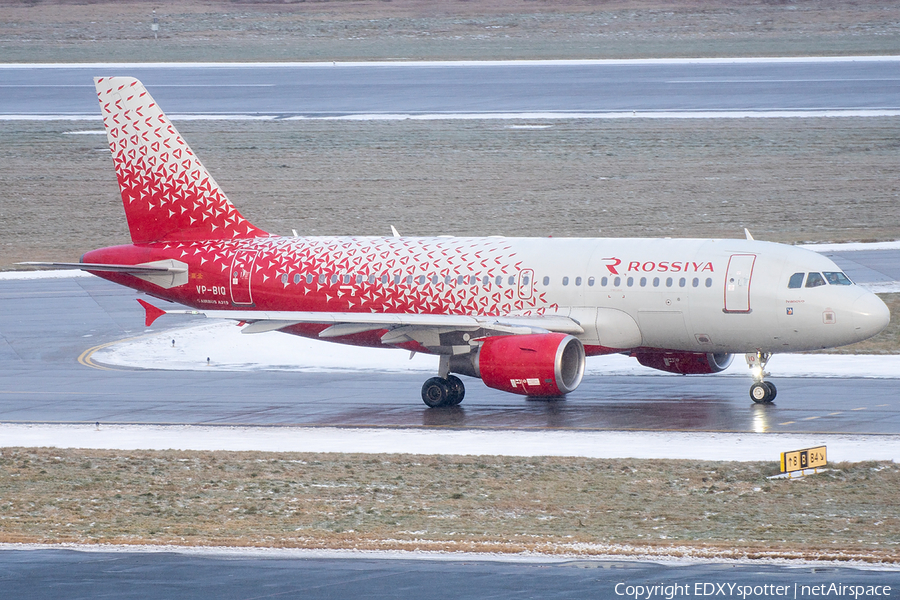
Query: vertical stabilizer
{"points": [[167, 194]]}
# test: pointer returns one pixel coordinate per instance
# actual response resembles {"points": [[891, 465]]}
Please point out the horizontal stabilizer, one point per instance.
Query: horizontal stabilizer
{"points": [[130, 269]]}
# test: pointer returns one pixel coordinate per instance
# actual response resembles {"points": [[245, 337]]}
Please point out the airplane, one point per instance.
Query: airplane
{"points": [[521, 314]]}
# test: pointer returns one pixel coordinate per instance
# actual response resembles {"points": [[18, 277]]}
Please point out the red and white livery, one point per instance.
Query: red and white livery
{"points": [[521, 314]]}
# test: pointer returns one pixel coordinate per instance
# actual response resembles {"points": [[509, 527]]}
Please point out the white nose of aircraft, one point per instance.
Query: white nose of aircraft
{"points": [[870, 315]]}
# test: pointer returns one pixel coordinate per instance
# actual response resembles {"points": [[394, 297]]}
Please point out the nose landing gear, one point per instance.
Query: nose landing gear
{"points": [[761, 392]]}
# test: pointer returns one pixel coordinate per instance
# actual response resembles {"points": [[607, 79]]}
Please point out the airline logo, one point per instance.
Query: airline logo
{"points": [[665, 266], [532, 381]]}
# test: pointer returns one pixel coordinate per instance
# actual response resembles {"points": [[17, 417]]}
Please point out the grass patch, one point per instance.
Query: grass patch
{"points": [[504, 504]]}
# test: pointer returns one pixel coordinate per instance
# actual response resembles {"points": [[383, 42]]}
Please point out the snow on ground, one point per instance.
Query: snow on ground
{"points": [[55, 274], [852, 246], [475, 442], [230, 350]]}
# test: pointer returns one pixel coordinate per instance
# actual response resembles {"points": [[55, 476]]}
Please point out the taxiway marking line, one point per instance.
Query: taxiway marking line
{"points": [[85, 357]]}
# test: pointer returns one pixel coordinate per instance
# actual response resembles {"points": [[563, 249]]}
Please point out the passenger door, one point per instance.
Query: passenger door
{"points": [[239, 281], [737, 283]]}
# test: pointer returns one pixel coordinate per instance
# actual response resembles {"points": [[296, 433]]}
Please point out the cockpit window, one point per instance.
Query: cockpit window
{"points": [[837, 278], [815, 280], [796, 280]]}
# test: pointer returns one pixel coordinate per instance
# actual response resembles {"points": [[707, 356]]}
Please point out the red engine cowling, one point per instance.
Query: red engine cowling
{"points": [[685, 363], [541, 364]]}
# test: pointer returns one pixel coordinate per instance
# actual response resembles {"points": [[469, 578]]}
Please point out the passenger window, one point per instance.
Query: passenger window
{"points": [[796, 281], [384, 279], [347, 279], [309, 278], [359, 278], [604, 281], [485, 280], [322, 277], [499, 280], [669, 281], [334, 278], [371, 279], [695, 282], [837, 278], [709, 282], [546, 280], [656, 282], [630, 281], [512, 280], [682, 282], [814, 280], [525, 280], [297, 278], [565, 281], [434, 279], [617, 282], [409, 280], [578, 281], [643, 281], [284, 278], [591, 281], [421, 280], [460, 279]]}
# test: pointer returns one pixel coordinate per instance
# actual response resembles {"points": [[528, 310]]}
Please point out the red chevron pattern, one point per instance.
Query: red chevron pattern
{"points": [[167, 193], [394, 275]]}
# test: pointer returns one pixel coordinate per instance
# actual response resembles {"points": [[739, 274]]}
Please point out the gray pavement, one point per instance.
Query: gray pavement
{"points": [[315, 90], [70, 574]]}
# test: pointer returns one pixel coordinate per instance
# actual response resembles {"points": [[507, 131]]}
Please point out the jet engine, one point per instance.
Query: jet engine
{"points": [[685, 363], [540, 364]]}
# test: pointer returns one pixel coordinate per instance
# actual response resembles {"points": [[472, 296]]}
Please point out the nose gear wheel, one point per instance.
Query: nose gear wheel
{"points": [[761, 392]]}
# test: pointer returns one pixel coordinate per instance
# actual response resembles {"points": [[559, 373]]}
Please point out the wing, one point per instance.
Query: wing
{"points": [[401, 327]]}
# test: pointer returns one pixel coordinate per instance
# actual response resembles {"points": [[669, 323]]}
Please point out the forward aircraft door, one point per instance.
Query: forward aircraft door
{"points": [[241, 270], [737, 283]]}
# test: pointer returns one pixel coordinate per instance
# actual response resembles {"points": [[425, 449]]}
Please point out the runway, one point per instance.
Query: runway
{"points": [[469, 88], [47, 324], [177, 574]]}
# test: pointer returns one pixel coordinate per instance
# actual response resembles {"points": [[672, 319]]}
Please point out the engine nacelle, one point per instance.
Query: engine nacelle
{"points": [[540, 364], [685, 363]]}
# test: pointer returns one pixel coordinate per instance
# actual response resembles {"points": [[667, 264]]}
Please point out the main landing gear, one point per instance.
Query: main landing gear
{"points": [[761, 392], [443, 391]]}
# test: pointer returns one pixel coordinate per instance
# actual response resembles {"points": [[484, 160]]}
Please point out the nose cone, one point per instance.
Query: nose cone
{"points": [[870, 315]]}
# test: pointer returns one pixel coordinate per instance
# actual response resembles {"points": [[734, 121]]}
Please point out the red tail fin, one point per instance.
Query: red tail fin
{"points": [[168, 195]]}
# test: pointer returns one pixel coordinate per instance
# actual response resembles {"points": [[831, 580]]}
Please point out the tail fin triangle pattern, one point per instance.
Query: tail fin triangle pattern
{"points": [[167, 193]]}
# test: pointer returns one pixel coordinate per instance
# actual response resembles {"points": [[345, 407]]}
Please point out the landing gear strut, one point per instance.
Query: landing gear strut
{"points": [[440, 391], [761, 392]]}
